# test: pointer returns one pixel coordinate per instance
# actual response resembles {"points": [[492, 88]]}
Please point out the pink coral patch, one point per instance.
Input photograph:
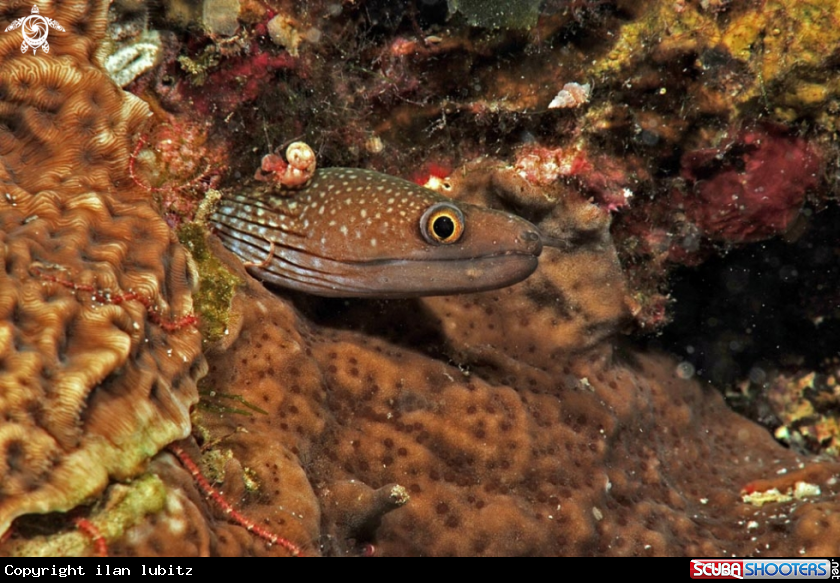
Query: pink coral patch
{"points": [[752, 187]]}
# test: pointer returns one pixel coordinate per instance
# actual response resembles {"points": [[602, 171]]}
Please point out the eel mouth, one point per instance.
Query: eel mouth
{"points": [[406, 278]]}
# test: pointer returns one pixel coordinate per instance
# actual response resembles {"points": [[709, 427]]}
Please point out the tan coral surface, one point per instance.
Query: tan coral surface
{"points": [[514, 420], [98, 360]]}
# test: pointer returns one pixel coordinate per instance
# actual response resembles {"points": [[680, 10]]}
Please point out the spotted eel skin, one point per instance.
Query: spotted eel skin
{"points": [[358, 233]]}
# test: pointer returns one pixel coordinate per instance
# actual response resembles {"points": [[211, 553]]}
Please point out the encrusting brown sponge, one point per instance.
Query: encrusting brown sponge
{"points": [[513, 420], [98, 351]]}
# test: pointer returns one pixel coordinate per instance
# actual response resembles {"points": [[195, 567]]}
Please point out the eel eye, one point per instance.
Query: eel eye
{"points": [[442, 223]]}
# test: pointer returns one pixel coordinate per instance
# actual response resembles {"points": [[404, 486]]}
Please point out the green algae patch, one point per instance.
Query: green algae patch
{"points": [[217, 284], [126, 506], [516, 14], [215, 402]]}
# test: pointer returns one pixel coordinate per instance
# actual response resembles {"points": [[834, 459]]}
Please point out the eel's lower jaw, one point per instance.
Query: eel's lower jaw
{"points": [[411, 279]]}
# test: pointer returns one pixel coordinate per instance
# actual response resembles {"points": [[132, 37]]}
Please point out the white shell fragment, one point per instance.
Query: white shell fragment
{"points": [[800, 491], [572, 95]]}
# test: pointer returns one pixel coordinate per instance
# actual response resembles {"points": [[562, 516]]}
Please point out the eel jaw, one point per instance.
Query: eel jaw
{"points": [[403, 278]]}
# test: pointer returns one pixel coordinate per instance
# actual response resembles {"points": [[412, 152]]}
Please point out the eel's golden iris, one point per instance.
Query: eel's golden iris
{"points": [[442, 223]]}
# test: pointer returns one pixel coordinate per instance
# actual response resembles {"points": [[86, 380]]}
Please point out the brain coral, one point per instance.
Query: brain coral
{"points": [[98, 359], [514, 421]]}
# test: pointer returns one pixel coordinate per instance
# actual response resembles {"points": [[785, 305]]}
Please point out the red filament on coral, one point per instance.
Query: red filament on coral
{"points": [[100, 547], [6, 535], [213, 494], [108, 297]]}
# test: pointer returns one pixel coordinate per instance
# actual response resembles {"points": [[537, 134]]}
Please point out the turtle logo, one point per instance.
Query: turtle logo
{"points": [[34, 30]]}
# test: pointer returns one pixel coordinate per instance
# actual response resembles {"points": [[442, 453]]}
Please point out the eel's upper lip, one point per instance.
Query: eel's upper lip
{"points": [[397, 260]]}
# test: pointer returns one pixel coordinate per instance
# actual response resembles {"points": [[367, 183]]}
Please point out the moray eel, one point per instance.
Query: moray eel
{"points": [[358, 233]]}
